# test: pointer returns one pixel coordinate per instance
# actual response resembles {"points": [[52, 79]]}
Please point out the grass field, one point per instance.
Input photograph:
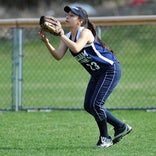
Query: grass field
{"points": [[48, 83], [72, 133]]}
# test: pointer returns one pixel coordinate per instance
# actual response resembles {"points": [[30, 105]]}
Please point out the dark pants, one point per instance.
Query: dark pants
{"points": [[98, 91]]}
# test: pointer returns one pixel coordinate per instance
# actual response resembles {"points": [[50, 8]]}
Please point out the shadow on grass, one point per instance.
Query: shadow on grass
{"points": [[47, 148]]}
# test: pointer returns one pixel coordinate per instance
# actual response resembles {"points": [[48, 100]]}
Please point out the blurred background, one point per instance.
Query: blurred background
{"points": [[36, 8]]}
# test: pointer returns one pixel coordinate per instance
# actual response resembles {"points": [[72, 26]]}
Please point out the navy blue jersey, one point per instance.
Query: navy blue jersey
{"points": [[93, 57]]}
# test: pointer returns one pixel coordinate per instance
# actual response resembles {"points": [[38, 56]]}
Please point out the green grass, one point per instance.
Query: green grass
{"points": [[72, 133]]}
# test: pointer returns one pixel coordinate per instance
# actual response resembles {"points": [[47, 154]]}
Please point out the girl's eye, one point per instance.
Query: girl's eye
{"points": [[71, 15]]}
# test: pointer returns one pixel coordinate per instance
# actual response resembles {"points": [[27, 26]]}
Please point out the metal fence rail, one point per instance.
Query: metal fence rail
{"points": [[30, 79], [98, 21]]}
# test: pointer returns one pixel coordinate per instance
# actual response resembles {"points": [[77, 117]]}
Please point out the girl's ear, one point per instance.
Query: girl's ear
{"points": [[81, 21]]}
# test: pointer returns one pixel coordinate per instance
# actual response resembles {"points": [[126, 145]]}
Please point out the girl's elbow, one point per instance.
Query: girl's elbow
{"points": [[58, 58], [76, 50]]}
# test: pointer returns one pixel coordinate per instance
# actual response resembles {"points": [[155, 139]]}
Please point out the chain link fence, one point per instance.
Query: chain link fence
{"points": [[44, 83]]}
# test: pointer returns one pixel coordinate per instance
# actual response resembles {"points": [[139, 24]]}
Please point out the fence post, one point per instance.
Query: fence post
{"points": [[17, 68], [99, 32]]}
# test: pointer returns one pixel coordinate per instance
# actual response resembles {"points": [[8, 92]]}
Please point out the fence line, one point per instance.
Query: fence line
{"points": [[19, 23], [99, 21]]}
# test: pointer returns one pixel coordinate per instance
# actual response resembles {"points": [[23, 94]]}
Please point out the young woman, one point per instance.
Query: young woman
{"points": [[102, 65]]}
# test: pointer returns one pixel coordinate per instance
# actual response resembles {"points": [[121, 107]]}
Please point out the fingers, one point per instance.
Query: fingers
{"points": [[42, 34], [43, 37]]}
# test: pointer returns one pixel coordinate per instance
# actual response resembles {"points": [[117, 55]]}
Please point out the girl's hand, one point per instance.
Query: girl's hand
{"points": [[43, 37]]}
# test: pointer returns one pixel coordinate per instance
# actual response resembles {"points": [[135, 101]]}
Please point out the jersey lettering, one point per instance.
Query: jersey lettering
{"points": [[93, 66], [83, 57]]}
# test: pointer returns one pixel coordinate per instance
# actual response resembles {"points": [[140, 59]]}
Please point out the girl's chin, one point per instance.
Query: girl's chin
{"points": [[67, 24]]}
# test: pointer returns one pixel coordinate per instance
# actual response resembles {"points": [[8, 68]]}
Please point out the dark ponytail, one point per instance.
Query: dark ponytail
{"points": [[92, 28], [88, 24]]}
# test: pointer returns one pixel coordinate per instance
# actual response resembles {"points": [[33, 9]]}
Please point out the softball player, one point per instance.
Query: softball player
{"points": [[102, 65]]}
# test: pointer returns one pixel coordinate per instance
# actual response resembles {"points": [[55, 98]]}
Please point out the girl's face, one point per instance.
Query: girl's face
{"points": [[73, 20]]}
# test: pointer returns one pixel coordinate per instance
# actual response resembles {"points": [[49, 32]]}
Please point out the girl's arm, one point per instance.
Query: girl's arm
{"points": [[56, 53], [86, 36]]}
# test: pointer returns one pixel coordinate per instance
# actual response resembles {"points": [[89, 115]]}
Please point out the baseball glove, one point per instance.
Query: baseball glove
{"points": [[51, 25]]}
